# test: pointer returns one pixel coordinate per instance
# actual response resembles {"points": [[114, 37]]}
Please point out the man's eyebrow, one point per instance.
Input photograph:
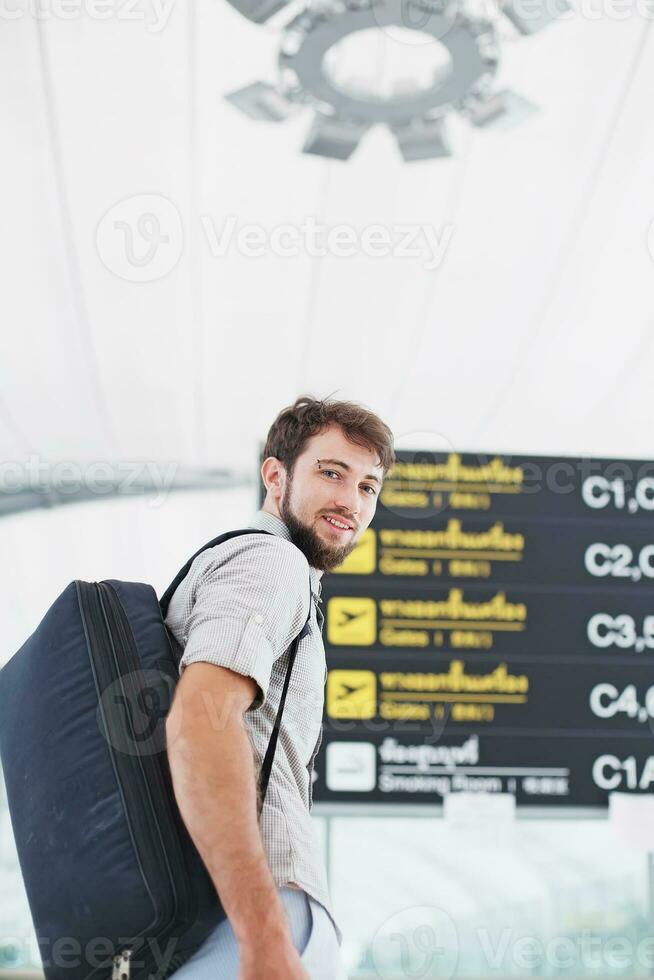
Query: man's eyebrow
{"points": [[339, 462]]}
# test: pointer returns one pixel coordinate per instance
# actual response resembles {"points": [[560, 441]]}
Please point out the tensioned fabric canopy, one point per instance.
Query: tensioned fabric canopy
{"points": [[532, 331]]}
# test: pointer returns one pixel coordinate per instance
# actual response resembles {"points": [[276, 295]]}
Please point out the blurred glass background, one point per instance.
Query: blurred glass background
{"points": [[556, 895]]}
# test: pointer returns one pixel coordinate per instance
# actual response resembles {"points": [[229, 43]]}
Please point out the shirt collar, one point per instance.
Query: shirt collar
{"points": [[264, 521]]}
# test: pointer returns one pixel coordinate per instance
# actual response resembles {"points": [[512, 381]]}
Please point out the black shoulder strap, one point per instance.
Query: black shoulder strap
{"points": [[266, 768], [164, 602]]}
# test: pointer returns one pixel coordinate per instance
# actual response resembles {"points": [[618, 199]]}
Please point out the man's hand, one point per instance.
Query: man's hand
{"points": [[215, 786], [271, 961]]}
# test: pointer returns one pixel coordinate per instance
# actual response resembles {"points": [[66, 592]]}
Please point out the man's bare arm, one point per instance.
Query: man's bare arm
{"points": [[215, 785]]}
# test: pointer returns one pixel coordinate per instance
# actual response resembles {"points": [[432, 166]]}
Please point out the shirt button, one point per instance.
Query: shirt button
{"points": [[258, 618]]}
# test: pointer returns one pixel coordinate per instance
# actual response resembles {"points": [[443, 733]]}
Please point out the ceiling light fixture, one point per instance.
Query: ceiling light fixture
{"points": [[406, 64]]}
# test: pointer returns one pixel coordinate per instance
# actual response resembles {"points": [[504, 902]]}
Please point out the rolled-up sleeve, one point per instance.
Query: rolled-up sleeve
{"points": [[250, 599]]}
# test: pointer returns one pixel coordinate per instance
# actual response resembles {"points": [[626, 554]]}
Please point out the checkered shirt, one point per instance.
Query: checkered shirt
{"points": [[241, 606]]}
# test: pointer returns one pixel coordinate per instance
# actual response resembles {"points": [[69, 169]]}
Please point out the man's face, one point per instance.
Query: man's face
{"points": [[332, 478]]}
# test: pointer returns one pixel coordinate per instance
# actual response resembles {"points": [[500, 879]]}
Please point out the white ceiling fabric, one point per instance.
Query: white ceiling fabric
{"points": [[534, 334]]}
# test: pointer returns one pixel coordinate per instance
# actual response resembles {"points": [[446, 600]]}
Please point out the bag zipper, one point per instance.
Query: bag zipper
{"points": [[122, 965], [184, 898], [114, 664]]}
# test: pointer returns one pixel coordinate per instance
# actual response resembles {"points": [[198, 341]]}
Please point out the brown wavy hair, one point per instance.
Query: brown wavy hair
{"points": [[307, 416]]}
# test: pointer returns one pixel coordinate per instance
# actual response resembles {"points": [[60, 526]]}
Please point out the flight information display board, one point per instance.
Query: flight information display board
{"points": [[494, 631]]}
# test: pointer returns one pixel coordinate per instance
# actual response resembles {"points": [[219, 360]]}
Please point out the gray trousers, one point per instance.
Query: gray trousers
{"points": [[313, 936]]}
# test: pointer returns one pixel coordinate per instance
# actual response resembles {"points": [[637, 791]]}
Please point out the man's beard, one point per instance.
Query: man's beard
{"points": [[316, 551]]}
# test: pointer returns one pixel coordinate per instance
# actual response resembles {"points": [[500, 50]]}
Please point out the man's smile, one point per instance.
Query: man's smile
{"points": [[337, 525]]}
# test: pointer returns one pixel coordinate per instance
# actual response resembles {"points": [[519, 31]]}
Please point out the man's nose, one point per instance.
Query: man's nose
{"points": [[346, 499]]}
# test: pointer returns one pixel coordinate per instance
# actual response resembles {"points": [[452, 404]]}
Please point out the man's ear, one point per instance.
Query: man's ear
{"points": [[273, 475]]}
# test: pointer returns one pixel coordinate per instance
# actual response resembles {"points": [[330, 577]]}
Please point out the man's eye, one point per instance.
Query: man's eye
{"points": [[366, 487]]}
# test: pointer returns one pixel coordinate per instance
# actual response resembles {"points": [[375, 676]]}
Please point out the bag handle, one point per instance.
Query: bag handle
{"points": [[164, 602]]}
